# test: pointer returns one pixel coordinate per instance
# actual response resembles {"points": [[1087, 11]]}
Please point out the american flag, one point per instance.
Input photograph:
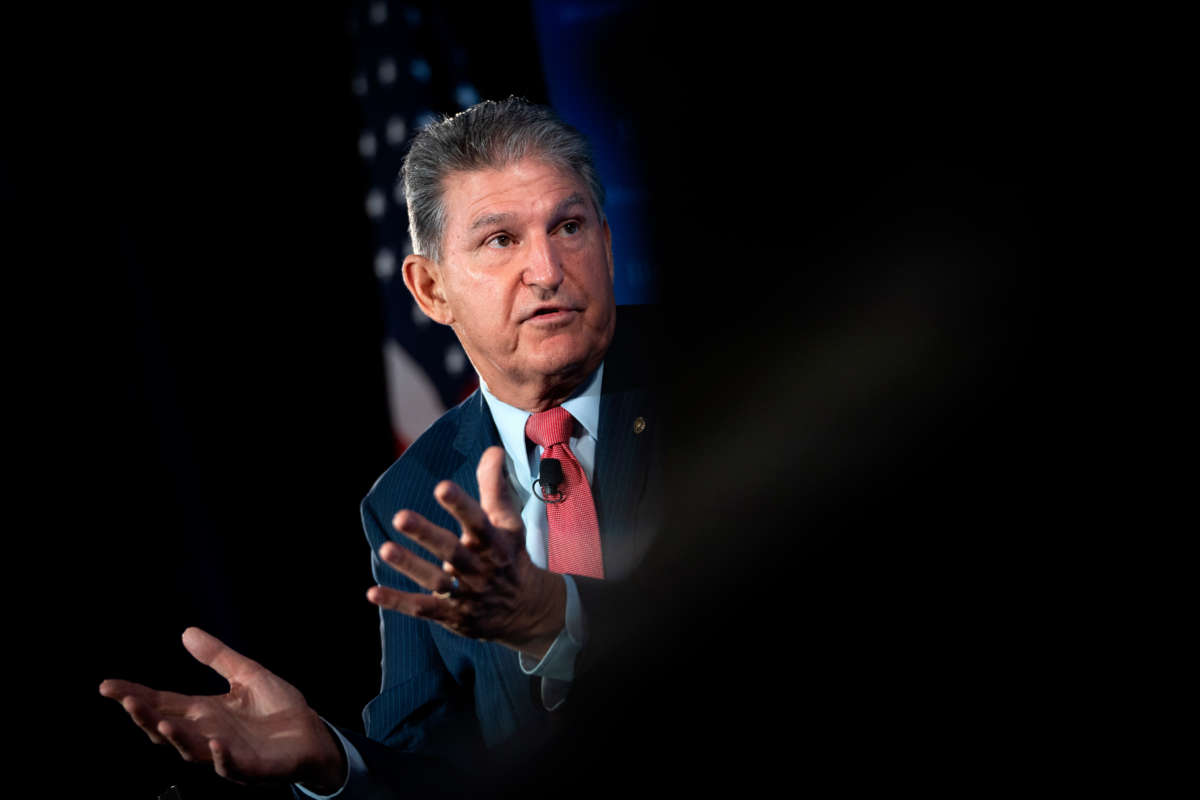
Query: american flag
{"points": [[426, 369]]}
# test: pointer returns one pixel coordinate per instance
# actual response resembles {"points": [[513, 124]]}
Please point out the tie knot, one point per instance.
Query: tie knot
{"points": [[550, 427]]}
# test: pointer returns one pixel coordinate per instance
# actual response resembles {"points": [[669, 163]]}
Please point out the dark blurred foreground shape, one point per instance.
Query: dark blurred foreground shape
{"points": [[850, 586]]}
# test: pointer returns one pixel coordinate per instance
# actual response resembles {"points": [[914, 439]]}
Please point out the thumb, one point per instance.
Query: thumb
{"points": [[212, 652], [495, 495]]}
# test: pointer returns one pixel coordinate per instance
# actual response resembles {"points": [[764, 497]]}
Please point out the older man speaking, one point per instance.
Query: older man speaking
{"points": [[544, 472]]}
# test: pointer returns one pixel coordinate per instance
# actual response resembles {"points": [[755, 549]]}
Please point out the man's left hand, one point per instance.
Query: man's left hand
{"points": [[487, 587]]}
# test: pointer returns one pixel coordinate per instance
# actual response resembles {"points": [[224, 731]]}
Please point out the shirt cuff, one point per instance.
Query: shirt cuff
{"points": [[559, 661], [356, 770]]}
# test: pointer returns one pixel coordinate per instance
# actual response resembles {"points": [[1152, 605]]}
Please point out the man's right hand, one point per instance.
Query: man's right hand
{"points": [[260, 730]]}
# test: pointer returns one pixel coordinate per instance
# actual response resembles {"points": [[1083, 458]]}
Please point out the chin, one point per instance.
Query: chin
{"points": [[566, 361], [571, 351]]}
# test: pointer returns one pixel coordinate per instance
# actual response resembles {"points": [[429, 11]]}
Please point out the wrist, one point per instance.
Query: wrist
{"points": [[324, 771], [548, 614]]}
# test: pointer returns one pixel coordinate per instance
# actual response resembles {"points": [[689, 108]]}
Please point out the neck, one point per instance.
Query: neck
{"points": [[536, 398]]}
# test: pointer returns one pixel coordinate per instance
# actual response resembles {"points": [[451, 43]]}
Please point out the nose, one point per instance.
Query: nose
{"points": [[543, 269]]}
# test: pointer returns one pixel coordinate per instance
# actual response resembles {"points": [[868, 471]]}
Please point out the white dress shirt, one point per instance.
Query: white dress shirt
{"points": [[557, 667]]}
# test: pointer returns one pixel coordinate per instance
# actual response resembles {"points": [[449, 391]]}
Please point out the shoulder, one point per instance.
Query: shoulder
{"points": [[432, 457]]}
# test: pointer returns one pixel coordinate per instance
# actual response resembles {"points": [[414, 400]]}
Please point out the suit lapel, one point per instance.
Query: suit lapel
{"points": [[624, 451], [476, 433], [622, 460]]}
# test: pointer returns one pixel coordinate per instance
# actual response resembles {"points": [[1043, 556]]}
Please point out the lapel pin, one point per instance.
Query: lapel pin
{"points": [[639, 425]]}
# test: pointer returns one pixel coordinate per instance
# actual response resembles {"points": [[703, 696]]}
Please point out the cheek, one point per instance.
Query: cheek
{"points": [[600, 283], [486, 308]]}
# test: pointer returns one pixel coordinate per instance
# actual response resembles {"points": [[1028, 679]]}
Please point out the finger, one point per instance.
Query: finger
{"points": [[469, 580], [223, 761], [132, 696], [495, 496], [437, 540], [423, 606], [433, 538], [117, 689], [212, 652], [145, 706], [144, 717], [184, 738], [425, 574], [464, 508], [168, 703]]}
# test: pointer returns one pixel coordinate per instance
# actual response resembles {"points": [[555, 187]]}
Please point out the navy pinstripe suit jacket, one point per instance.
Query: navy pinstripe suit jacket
{"points": [[448, 702]]}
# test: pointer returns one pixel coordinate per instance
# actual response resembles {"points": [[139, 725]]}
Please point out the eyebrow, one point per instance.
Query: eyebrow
{"points": [[495, 219], [573, 200], [489, 219]]}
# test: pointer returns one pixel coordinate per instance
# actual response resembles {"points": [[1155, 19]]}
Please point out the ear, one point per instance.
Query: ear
{"points": [[608, 249], [423, 278]]}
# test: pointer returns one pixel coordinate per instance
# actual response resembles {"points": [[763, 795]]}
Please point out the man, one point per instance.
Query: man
{"points": [[513, 252]]}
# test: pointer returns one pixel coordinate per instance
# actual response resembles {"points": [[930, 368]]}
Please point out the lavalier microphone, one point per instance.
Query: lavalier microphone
{"points": [[550, 478]]}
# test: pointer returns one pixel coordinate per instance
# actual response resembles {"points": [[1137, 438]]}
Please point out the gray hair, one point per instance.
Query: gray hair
{"points": [[489, 135]]}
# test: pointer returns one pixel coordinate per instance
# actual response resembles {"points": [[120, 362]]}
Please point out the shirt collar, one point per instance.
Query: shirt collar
{"points": [[583, 405]]}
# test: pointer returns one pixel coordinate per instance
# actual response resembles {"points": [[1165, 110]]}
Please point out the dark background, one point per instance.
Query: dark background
{"points": [[848, 227]]}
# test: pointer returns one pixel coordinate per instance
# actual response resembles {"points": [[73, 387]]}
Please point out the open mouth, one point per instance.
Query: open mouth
{"points": [[549, 313]]}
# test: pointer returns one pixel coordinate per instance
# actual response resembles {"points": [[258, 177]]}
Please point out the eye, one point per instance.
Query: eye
{"points": [[570, 227], [500, 241]]}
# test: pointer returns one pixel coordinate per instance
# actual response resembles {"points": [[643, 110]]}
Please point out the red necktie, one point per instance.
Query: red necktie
{"points": [[574, 545]]}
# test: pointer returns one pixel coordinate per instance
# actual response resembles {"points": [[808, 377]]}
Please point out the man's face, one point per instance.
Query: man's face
{"points": [[527, 277]]}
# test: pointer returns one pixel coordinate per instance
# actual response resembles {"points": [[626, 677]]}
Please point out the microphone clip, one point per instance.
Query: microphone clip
{"points": [[548, 484]]}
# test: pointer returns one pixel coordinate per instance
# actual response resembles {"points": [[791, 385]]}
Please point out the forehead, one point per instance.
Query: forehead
{"points": [[528, 187]]}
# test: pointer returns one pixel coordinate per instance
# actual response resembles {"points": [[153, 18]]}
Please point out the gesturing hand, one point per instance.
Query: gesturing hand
{"points": [[262, 729], [487, 587]]}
